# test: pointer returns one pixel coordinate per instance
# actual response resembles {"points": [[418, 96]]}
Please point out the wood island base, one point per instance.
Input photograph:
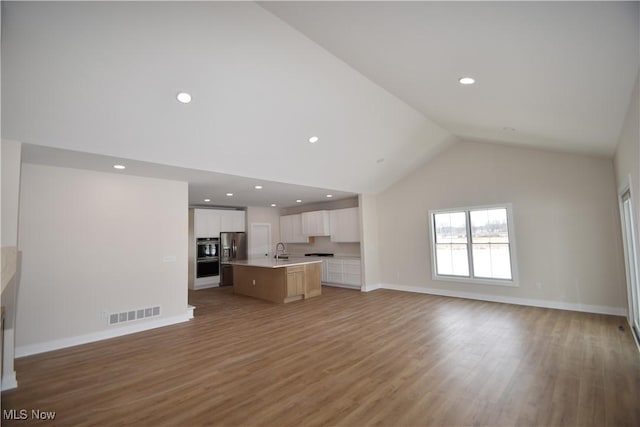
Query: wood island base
{"points": [[280, 285]]}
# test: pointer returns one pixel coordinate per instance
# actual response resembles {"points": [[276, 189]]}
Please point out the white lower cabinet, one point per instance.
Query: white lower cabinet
{"points": [[351, 272], [341, 271]]}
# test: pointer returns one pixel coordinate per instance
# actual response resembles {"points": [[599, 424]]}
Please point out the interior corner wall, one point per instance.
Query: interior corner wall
{"points": [[93, 244], [567, 229], [627, 157]]}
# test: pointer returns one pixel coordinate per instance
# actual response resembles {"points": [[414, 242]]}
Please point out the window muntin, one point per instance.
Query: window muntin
{"points": [[473, 244]]}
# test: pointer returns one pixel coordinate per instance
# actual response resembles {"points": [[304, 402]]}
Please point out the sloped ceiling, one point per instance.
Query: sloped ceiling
{"points": [[375, 81], [548, 74], [103, 77]]}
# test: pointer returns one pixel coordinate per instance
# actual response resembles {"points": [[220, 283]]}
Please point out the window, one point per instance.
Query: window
{"points": [[473, 244]]}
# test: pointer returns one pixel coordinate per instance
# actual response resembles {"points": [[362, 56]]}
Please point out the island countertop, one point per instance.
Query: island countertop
{"points": [[273, 263]]}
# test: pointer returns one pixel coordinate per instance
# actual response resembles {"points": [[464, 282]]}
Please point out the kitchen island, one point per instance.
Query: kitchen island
{"points": [[279, 281]]}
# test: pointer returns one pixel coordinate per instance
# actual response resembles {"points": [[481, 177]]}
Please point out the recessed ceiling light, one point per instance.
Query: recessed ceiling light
{"points": [[184, 97], [273, 205], [229, 194], [329, 195], [258, 187], [119, 167], [313, 139], [467, 80], [298, 201], [207, 200]]}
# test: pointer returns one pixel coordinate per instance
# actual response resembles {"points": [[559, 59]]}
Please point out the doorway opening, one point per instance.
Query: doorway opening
{"points": [[260, 240], [631, 260]]}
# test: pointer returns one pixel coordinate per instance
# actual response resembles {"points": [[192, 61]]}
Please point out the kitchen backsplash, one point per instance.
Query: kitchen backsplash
{"points": [[324, 244]]}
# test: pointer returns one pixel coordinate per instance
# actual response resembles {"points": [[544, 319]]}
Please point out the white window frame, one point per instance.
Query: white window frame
{"points": [[513, 282]]}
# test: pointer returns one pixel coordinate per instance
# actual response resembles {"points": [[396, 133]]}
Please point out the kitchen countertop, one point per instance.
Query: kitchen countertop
{"points": [[335, 256], [273, 263]]}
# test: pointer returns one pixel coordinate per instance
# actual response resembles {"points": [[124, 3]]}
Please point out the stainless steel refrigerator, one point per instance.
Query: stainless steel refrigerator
{"points": [[233, 247]]}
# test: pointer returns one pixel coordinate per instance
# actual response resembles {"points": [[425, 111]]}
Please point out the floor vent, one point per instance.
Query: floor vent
{"points": [[131, 315]]}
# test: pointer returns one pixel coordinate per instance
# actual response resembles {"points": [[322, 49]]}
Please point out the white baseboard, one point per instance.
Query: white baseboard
{"points": [[341, 285], [372, 287], [9, 381], [561, 305], [190, 310], [28, 350], [197, 287]]}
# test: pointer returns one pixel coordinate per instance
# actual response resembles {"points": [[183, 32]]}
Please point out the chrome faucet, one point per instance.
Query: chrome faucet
{"points": [[278, 246]]}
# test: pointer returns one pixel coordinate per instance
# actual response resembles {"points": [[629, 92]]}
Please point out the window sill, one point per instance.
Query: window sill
{"points": [[493, 282]]}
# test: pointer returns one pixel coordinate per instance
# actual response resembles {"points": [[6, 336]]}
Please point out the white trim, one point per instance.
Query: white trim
{"points": [[197, 287], [30, 349], [633, 335], [9, 381], [190, 310], [624, 187], [371, 287], [513, 282], [560, 305], [341, 285]]}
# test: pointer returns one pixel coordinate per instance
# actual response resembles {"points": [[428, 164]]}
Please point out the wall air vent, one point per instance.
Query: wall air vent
{"points": [[132, 315]]}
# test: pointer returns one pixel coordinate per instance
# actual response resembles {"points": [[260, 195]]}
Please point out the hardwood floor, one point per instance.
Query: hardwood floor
{"points": [[345, 358]]}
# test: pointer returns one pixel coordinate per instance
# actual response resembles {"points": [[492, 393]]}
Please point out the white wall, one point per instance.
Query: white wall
{"points": [[11, 160], [627, 156], [11, 154], [94, 243], [369, 242], [565, 215]]}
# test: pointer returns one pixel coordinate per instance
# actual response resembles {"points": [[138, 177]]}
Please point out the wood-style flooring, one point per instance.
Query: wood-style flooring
{"points": [[345, 358]]}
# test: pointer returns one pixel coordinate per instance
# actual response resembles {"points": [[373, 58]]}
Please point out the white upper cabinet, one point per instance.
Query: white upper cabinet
{"points": [[232, 221], [206, 223], [291, 229], [345, 225], [210, 222], [316, 223]]}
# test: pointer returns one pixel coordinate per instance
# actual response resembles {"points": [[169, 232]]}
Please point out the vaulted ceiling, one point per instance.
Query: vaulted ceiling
{"points": [[377, 82]]}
